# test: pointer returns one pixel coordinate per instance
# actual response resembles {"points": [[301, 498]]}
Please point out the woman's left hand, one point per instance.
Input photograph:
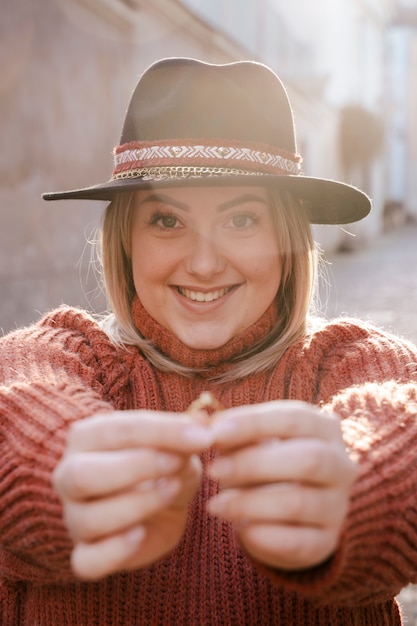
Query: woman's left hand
{"points": [[285, 479]]}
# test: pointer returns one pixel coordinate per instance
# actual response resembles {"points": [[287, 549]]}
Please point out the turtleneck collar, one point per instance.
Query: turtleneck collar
{"points": [[168, 344]]}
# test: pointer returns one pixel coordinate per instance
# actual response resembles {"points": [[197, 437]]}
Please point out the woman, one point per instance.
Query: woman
{"points": [[287, 496]]}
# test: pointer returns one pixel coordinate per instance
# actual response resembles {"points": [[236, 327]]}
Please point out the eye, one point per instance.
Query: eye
{"points": [[242, 220], [166, 221]]}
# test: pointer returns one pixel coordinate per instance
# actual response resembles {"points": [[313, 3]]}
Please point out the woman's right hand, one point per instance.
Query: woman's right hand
{"points": [[125, 481]]}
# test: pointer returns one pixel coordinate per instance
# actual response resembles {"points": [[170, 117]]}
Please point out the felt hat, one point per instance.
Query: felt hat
{"points": [[195, 123]]}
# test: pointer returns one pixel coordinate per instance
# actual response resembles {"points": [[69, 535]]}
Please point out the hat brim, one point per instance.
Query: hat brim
{"points": [[326, 201]]}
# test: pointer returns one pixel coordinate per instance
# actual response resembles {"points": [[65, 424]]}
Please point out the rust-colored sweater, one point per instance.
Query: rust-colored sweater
{"points": [[65, 368]]}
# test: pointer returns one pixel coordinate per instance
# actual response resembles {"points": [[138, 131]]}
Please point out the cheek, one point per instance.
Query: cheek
{"points": [[263, 266], [146, 270], [151, 264], [141, 262], [266, 274]]}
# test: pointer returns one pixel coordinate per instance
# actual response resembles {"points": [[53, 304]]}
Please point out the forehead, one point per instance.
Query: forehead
{"points": [[211, 195]]}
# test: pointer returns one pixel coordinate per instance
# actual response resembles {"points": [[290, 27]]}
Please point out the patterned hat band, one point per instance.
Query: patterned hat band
{"points": [[153, 160], [190, 122]]}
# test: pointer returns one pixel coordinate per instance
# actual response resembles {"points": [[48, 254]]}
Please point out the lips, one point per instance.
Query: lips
{"points": [[201, 296]]}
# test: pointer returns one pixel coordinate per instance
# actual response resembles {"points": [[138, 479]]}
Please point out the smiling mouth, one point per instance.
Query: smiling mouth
{"points": [[200, 296]]}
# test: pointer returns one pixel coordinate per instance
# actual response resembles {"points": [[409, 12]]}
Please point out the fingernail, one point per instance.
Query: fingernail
{"points": [[198, 437], [218, 504], [221, 468], [145, 485], [167, 487], [224, 430], [167, 462], [135, 536]]}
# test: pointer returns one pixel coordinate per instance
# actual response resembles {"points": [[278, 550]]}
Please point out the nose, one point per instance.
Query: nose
{"points": [[205, 257]]}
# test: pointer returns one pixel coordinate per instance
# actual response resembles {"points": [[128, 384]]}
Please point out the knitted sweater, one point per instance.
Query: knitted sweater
{"points": [[64, 368]]}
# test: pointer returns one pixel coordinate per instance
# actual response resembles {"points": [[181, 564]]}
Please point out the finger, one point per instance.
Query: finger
{"points": [[190, 477], [289, 547], [86, 475], [309, 461], [283, 503], [129, 429], [92, 561], [286, 419], [199, 416], [90, 521]]}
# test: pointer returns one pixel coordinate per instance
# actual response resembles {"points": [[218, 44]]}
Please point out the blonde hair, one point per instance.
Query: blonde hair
{"points": [[294, 297]]}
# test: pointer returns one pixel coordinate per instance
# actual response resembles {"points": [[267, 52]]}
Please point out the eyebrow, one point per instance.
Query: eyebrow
{"points": [[242, 199], [247, 197], [160, 197]]}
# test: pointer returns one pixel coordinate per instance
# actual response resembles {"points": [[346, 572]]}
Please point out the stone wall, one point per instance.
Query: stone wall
{"points": [[68, 68]]}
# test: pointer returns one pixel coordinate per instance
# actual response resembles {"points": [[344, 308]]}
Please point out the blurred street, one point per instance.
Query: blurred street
{"points": [[379, 283]]}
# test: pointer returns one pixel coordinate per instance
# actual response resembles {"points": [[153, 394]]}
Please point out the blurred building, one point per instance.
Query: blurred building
{"points": [[332, 55], [401, 107], [69, 66]]}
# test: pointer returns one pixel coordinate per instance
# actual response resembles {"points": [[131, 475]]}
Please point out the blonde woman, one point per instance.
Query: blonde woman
{"points": [[286, 494]]}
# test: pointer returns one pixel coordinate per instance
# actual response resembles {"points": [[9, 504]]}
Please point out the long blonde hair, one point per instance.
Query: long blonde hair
{"points": [[294, 297]]}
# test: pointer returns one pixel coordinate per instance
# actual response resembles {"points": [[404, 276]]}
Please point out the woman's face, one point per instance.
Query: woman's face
{"points": [[206, 263]]}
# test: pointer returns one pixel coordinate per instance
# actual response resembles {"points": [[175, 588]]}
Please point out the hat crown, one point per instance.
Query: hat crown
{"points": [[190, 99], [195, 123]]}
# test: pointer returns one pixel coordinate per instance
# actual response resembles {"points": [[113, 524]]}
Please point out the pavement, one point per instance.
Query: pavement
{"points": [[378, 283]]}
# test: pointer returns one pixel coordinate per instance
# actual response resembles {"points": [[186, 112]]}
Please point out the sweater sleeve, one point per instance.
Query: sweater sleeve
{"points": [[51, 375], [368, 379]]}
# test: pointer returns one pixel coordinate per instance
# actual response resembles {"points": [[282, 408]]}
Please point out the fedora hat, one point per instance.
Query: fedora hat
{"points": [[195, 123]]}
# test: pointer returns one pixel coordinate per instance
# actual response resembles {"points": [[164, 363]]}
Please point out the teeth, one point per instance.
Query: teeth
{"points": [[199, 296]]}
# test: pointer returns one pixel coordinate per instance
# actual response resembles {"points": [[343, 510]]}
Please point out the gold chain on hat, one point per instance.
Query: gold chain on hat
{"points": [[173, 172]]}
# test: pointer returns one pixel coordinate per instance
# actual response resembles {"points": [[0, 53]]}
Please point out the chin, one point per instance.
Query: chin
{"points": [[204, 346], [209, 343], [204, 336]]}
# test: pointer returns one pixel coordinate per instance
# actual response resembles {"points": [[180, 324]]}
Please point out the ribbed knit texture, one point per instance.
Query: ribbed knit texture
{"points": [[64, 368]]}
